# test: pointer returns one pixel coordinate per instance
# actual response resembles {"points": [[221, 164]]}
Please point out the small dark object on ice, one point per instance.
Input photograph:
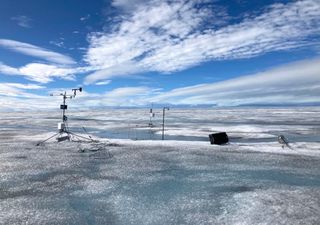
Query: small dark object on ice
{"points": [[219, 138], [114, 145], [283, 141]]}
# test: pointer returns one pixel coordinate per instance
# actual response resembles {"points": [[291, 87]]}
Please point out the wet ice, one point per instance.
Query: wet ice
{"points": [[155, 182]]}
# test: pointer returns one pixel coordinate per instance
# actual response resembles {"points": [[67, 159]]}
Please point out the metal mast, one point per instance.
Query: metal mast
{"points": [[163, 115]]}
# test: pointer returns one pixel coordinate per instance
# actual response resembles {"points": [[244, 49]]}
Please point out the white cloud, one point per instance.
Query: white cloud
{"points": [[168, 36], [59, 67], [84, 18], [42, 73], [123, 96], [35, 51], [18, 89], [28, 103], [105, 82], [24, 86], [8, 69], [22, 21], [148, 28], [127, 92], [294, 83], [124, 70], [128, 5], [15, 97]]}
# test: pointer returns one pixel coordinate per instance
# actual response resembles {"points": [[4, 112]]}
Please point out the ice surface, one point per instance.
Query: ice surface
{"points": [[250, 181]]}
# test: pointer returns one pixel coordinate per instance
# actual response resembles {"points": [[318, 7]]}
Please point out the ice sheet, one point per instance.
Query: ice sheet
{"points": [[161, 182]]}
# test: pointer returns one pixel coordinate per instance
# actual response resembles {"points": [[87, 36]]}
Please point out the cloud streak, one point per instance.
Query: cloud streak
{"points": [[18, 89], [125, 70], [42, 73], [22, 21], [169, 36], [294, 83], [37, 52]]}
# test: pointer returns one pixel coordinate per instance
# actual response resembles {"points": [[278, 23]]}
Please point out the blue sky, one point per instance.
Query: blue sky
{"points": [[138, 52]]}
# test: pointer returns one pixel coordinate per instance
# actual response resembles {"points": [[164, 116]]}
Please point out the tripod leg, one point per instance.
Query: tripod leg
{"points": [[41, 142], [79, 136]]}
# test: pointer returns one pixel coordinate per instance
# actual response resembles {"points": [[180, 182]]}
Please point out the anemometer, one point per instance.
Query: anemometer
{"points": [[63, 126], [64, 133]]}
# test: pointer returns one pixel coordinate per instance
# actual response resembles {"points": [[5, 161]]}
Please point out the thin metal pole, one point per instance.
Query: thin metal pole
{"points": [[163, 123], [163, 115], [64, 103]]}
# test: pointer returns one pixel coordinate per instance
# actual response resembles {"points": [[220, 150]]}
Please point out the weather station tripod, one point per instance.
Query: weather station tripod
{"points": [[64, 134]]}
